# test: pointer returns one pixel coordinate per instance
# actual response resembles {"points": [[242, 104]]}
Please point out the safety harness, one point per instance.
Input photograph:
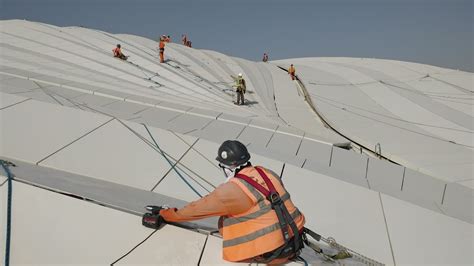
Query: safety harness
{"points": [[292, 245]]}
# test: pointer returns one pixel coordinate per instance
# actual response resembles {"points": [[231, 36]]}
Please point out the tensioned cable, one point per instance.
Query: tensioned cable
{"points": [[450, 84], [5, 167], [159, 150], [383, 122], [386, 83], [387, 116], [425, 94], [177, 172], [147, 142]]}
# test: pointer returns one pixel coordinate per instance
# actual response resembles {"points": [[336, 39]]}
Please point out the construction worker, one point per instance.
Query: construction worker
{"points": [[240, 88], [162, 49], [258, 221], [265, 57], [184, 39], [118, 52], [292, 72]]}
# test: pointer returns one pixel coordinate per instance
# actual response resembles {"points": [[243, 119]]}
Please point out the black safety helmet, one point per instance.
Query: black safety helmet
{"points": [[232, 153], [118, 45]]}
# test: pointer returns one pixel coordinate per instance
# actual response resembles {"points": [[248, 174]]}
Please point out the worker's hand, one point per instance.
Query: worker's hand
{"points": [[168, 214]]}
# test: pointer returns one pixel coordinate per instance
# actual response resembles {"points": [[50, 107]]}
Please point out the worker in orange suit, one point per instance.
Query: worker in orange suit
{"points": [[250, 205], [162, 49], [118, 52], [292, 72]]}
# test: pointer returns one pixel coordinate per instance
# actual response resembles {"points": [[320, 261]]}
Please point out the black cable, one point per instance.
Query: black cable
{"points": [[9, 211]]}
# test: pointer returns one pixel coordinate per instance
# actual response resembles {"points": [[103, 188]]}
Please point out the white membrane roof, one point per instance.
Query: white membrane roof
{"points": [[95, 139]]}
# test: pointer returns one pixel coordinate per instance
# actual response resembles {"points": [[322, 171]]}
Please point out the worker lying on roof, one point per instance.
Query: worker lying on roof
{"points": [[258, 221], [118, 52]]}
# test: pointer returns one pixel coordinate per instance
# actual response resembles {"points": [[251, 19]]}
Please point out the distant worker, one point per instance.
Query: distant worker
{"points": [[240, 88], [189, 44], [292, 72], [258, 220], [265, 57], [162, 49], [184, 39], [118, 53]]}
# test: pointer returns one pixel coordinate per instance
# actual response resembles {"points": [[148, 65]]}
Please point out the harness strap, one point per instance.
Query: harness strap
{"points": [[254, 184], [284, 217], [286, 214]]}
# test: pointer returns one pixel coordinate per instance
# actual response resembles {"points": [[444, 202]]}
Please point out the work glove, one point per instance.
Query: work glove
{"points": [[152, 219]]}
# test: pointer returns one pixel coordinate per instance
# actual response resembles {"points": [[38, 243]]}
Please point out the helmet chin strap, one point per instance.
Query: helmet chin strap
{"points": [[229, 173]]}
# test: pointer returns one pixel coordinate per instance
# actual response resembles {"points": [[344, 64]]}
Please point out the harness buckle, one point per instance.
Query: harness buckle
{"points": [[274, 198]]}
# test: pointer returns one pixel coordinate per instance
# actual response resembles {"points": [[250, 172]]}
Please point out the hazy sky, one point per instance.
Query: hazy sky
{"points": [[437, 32]]}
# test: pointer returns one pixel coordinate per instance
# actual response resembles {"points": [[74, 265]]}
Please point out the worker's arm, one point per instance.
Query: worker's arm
{"points": [[227, 199]]}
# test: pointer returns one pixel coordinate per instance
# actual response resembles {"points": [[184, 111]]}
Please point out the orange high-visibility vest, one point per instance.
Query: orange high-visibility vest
{"points": [[117, 52], [162, 45], [257, 231], [292, 70]]}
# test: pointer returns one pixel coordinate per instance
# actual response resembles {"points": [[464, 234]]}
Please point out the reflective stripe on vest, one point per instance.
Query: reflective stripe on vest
{"points": [[256, 231], [256, 234]]}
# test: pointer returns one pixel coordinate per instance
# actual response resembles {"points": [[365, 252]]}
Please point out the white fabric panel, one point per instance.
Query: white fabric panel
{"points": [[440, 240]]}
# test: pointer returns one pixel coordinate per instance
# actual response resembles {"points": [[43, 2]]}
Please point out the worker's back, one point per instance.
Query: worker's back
{"points": [[255, 231], [117, 52]]}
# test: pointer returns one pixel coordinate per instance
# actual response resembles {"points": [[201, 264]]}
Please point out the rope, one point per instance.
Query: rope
{"points": [[171, 164], [5, 165], [332, 243]]}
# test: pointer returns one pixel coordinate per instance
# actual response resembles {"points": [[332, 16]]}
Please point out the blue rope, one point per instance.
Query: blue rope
{"points": [[171, 164], [9, 211]]}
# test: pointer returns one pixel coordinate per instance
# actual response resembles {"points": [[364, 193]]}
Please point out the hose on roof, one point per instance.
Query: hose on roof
{"points": [[9, 210]]}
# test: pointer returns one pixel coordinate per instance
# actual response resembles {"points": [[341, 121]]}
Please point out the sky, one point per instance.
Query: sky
{"points": [[435, 32]]}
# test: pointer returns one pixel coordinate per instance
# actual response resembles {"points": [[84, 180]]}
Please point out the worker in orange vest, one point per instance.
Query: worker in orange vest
{"points": [[118, 52], [162, 49], [292, 72], [258, 220]]}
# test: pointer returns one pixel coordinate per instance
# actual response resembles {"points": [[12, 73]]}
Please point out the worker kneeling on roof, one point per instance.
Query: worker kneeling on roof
{"points": [[259, 222], [118, 52]]}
